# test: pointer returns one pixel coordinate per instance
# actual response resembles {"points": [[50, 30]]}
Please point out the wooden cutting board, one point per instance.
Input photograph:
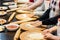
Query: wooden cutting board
{"points": [[24, 35], [28, 26]]}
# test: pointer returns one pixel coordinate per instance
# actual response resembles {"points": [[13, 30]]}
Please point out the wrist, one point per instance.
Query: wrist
{"points": [[50, 30], [53, 29], [40, 22], [56, 38]]}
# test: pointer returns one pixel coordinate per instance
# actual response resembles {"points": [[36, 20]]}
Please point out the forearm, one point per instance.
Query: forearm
{"points": [[55, 37], [36, 4], [53, 29]]}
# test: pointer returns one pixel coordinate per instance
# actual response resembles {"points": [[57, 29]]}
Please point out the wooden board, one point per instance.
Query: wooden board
{"points": [[24, 35], [28, 26]]}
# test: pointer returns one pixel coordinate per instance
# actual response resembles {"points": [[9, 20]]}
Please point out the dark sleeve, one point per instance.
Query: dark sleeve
{"points": [[45, 15], [51, 21]]}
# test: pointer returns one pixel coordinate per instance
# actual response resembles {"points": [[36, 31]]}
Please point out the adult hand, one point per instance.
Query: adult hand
{"points": [[48, 36], [46, 31], [51, 37], [50, 30]]}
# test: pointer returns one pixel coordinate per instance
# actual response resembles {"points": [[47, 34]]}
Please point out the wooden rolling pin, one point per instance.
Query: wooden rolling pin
{"points": [[44, 26], [18, 22], [17, 34], [11, 17], [12, 10]]}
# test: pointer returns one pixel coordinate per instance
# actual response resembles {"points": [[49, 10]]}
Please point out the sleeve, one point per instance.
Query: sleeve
{"points": [[45, 15], [51, 21]]}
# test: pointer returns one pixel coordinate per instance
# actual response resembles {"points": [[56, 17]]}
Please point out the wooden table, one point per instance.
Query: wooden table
{"points": [[6, 35]]}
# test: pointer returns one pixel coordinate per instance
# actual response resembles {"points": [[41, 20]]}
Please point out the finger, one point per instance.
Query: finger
{"points": [[44, 32], [45, 36]]}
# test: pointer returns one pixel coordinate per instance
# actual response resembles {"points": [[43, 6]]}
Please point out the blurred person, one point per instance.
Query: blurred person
{"points": [[50, 17], [48, 32]]}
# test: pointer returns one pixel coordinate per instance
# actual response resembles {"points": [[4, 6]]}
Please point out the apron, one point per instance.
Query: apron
{"points": [[55, 7]]}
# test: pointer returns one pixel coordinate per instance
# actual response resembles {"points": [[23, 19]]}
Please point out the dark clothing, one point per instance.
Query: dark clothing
{"points": [[48, 21]]}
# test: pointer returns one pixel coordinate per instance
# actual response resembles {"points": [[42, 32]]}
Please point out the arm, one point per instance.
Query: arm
{"points": [[36, 4], [55, 37], [50, 30], [53, 29]]}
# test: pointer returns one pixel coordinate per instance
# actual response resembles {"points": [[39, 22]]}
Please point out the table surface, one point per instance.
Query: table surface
{"points": [[7, 35]]}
